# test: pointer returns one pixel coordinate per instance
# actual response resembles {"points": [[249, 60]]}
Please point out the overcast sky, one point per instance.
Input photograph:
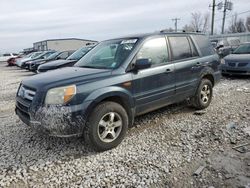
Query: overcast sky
{"points": [[23, 22]]}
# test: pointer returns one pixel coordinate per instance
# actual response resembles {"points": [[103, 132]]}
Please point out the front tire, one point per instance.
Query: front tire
{"points": [[203, 96], [106, 126]]}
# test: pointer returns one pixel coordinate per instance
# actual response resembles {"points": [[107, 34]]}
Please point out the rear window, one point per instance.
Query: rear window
{"points": [[204, 45]]}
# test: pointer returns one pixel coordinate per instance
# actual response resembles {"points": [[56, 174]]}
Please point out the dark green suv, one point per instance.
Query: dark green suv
{"points": [[117, 80]]}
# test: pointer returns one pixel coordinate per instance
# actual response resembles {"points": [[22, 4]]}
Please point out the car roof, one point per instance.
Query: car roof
{"points": [[245, 43], [145, 35]]}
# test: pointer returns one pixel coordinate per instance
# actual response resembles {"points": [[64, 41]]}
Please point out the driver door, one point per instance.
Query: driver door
{"points": [[155, 86]]}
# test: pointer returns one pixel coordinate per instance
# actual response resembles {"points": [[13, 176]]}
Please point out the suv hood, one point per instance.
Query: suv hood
{"points": [[56, 63], [64, 76]]}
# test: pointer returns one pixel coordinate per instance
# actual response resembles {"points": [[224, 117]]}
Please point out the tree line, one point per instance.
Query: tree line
{"points": [[201, 23]]}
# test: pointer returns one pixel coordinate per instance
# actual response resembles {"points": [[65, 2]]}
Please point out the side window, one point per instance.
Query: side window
{"points": [[180, 48], [154, 49], [204, 45], [194, 50]]}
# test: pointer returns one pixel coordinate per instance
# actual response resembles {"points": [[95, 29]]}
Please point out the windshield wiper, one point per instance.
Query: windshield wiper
{"points": [[91, 67]]}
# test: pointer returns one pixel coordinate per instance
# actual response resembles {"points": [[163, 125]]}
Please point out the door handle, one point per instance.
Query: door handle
{"points": [[168, 71], [197, 65]]}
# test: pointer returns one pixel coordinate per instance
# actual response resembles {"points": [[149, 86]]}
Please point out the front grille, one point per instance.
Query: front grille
{"points": [[242, 64], [23, 106], [231, 64], [26, 93], [24, 99]]}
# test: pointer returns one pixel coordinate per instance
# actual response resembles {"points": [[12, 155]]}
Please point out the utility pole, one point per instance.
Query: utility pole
{"points": [[213, 11], [224, 16], [175, 23], [228, 5]]}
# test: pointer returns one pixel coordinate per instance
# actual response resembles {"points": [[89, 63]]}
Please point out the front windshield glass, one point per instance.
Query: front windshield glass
{"points": [[44, 55], [36, 54], [108, 54], [54, 55], [242, 49], [78, 54]]}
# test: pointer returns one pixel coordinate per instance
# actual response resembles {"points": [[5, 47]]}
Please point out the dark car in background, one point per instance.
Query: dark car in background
{"points": [[55, 56], [237, 63], [42, 56], [70, 61], [119, 79]]}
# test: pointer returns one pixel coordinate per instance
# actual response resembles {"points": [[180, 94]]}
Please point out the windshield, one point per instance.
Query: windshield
{"points": [[242, 49], [36, 54], [108, 54], [44, 55], [54, 55], [78, 54]]}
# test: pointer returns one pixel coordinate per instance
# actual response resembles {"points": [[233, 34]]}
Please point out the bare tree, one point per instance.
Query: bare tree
{"points": [[248, 23], [170, 29], [199, 23], [236, 25], [205, 23], [197, 20], [188, 28]]}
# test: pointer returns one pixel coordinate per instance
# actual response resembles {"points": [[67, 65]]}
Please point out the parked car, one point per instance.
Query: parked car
{"points": [[117, 80], [70, 61], [12, 60], [237, 63], [55, 56], [28, 57], [42, 56], [227, 46], [6, 57]]}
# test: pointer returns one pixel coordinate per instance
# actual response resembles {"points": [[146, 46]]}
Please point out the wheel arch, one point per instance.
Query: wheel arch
{"points": [[208, 74], [114, 94]]}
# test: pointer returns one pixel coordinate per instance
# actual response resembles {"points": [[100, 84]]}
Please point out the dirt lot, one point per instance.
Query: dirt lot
{"points": [[164, 149]]}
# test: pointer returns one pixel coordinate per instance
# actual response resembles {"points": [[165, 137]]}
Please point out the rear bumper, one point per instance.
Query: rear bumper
{"points": [[59, 121]]}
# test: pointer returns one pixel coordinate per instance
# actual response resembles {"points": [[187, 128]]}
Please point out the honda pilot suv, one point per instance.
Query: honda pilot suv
{"points": [[119, 79]]}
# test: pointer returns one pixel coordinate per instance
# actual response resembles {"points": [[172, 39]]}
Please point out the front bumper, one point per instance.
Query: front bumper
{"points": [[225, 69], [59, 121]]}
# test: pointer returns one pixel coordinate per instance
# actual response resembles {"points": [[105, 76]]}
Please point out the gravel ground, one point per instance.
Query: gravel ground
{"points": [[163, 149]]}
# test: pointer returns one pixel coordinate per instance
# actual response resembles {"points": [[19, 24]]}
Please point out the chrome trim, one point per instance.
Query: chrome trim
{"points": [[26, 93]]}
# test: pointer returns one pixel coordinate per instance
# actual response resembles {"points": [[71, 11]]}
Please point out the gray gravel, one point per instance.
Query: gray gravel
{"points": [[163, 149]]}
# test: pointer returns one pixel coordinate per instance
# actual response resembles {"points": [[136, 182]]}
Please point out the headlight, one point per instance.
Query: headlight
{"points": [[222, 61], [60, 95]]}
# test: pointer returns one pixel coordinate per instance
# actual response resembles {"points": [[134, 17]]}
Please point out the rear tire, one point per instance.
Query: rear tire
{"points": [[106, 126], [203, 95]]}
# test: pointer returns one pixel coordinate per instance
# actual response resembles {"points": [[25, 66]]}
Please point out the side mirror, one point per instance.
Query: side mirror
{"points": [[58, 58], [142, 64]]}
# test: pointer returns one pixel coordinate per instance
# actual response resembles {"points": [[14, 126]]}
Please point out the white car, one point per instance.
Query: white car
{"points": [[6, 57]]}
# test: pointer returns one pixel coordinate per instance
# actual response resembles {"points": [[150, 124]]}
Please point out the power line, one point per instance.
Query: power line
{"points": [[219, 19]]}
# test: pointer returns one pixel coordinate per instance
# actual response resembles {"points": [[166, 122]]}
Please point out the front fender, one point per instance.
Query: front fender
{"points": [[113, 91]]}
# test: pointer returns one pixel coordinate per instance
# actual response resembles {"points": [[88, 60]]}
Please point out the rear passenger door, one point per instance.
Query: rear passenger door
{"points": [[186, 60], [153, 87]]}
